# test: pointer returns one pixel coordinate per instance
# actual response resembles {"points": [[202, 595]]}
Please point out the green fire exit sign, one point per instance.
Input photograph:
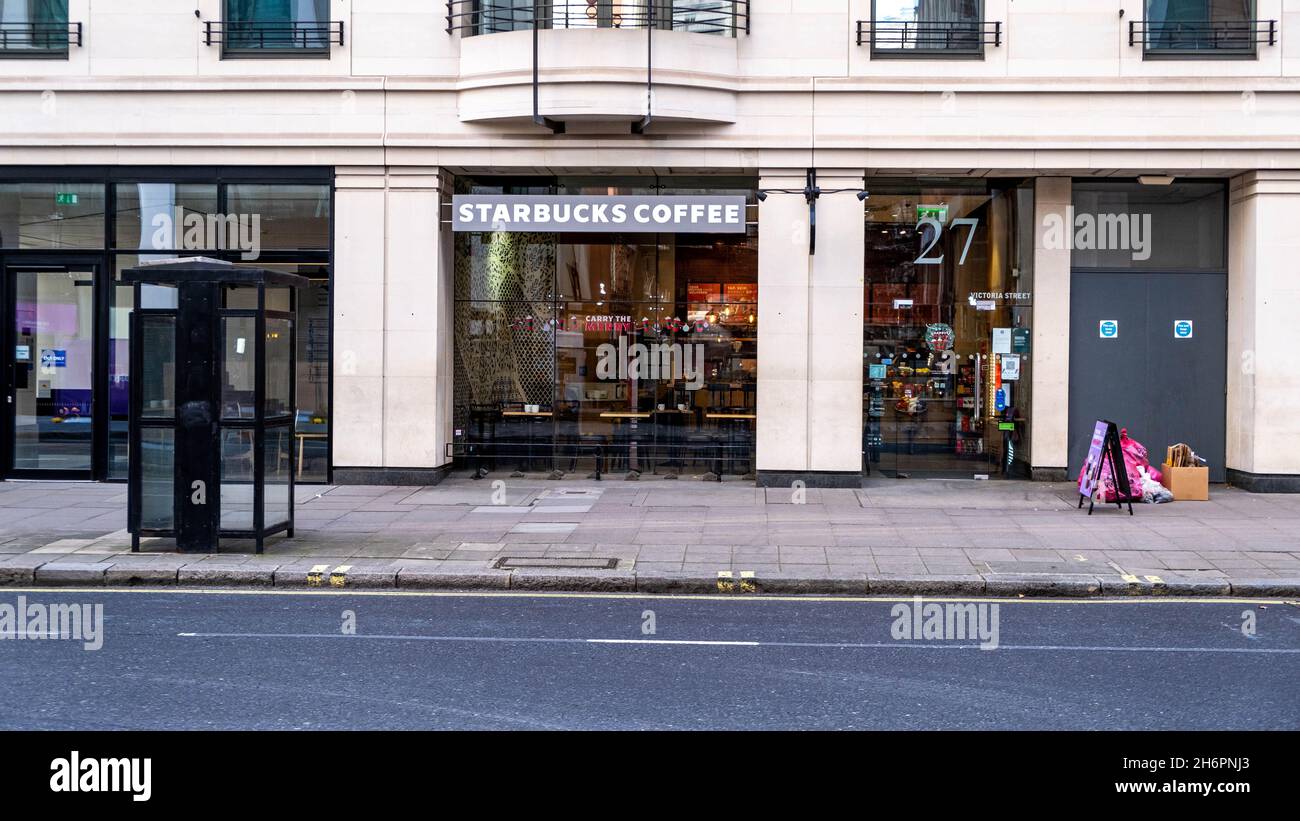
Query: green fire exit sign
{"points": [[938, 213], [65, 198]]}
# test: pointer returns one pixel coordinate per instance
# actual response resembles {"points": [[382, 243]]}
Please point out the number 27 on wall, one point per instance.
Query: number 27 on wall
{"points": [[971, 222]]}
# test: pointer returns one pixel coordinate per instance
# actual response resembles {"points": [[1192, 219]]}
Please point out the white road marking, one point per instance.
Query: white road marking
{"points": [[884, 645], [668, 641]]}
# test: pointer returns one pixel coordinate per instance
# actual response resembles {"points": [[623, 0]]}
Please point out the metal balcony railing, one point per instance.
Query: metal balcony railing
{"points": [[290, 37], [728, 18], [912, 39], [38, 39], [1201, 37]]}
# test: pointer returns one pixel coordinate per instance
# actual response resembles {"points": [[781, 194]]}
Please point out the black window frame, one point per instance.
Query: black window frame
{"points": [[1140, 33], [475, 18], [332, 30], [984, 29], [65, 34], [106, 257]]}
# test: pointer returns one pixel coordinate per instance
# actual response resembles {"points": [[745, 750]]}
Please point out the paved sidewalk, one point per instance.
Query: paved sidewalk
{"points": [[891, 537]]}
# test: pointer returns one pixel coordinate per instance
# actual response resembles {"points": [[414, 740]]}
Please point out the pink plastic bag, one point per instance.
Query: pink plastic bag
{"points": [[1135, 456]]}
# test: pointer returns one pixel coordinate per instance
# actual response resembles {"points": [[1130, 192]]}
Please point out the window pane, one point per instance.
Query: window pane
{"points": [[278, 366], [276, 458], [158, 382], [948, 302], [312, 391], [237, 479], [287, 217], [927, 25], [276, 11], [238, 368], [119, 357], [33, 26], [1197, 25], [167, 216], [53, 369], [277, 24], [638, 350], [1127, 225], [157, 478], [511, 15], [51, 215]]}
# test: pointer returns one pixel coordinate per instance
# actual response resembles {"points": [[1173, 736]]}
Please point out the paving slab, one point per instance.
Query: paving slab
{"points": [[899, 537]]}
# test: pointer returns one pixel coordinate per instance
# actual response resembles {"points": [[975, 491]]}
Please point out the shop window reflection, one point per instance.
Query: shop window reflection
{"points": [[642, 359], [948, 303]]}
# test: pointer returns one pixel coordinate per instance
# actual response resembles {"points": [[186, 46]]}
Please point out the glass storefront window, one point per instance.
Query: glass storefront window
{"points": [[164, 216], [947, 319], [288, 217], [623, 352], [1126, 225], [54, 216], [148, 222]]}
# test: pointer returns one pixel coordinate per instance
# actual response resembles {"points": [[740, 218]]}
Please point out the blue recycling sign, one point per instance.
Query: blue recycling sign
{"points": [[1183, 329], [1108, 329], [54, 358]]}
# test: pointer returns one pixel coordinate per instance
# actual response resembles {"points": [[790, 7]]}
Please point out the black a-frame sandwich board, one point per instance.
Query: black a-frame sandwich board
{"points": [[1105, 449]]}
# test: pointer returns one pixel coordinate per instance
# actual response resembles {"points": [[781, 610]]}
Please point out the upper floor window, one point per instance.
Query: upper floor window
{"points": [[929, 28], [725, 17], [283, 28], [1201, 28], [36, 28]]}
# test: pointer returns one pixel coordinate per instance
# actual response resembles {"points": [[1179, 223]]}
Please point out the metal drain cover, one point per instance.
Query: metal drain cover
{"points": [[587, 562]]}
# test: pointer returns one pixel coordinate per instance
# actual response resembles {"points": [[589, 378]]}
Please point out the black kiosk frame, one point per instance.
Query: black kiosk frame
{"points": [[199, 417]]}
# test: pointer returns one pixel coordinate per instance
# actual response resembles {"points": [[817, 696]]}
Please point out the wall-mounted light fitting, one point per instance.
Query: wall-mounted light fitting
{"points": [[811, 192]]}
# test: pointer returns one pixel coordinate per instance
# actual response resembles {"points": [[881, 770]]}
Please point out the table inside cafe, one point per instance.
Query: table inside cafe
{"points": [[533, 420]]}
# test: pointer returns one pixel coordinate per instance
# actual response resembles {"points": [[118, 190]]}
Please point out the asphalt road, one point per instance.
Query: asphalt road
{"points": [[279, 660]]}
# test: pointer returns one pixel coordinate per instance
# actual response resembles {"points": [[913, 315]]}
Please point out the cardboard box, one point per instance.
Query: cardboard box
{"points": [[1187, 484]]}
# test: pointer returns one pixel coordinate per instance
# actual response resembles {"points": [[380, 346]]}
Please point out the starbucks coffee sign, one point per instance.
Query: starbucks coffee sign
{"points": [[599, 214]]}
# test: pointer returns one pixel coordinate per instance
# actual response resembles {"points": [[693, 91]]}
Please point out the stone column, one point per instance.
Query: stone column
{"points": [[1049, 418], [810, 334], [358, 295], [392, 327], [1263, 391]]}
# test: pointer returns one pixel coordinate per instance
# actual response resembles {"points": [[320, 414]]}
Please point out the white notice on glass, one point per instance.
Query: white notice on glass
{"points": [[1001, 340]]}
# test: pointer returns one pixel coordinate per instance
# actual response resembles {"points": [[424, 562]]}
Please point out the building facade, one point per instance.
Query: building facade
{"points": [[759, 241]]}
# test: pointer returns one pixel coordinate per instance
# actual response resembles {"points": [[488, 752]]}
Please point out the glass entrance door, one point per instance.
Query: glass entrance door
{"points": [[947, 315], [51, 370]]}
